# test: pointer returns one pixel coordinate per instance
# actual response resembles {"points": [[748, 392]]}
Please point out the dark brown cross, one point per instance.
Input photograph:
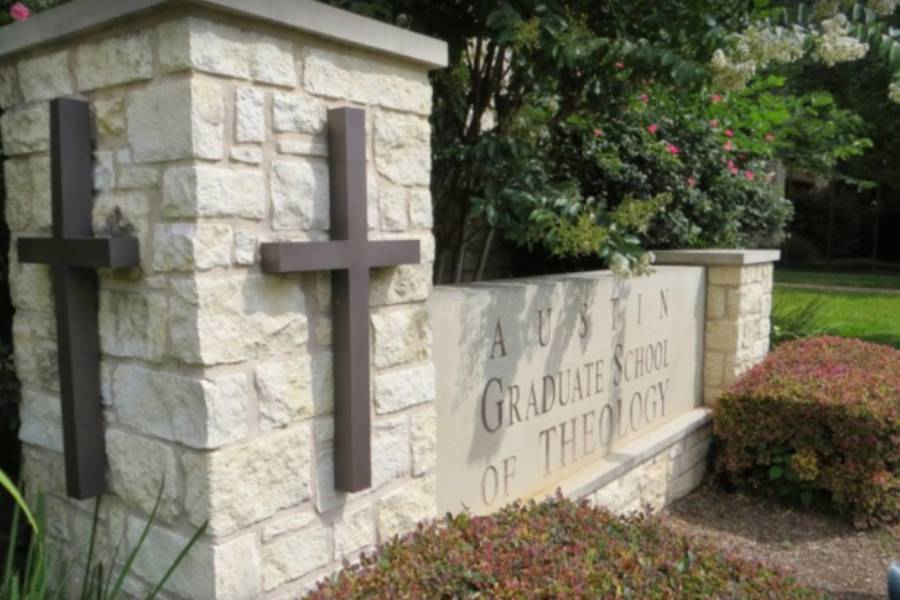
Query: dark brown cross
{"points": [[349, 255], [73, 255]]}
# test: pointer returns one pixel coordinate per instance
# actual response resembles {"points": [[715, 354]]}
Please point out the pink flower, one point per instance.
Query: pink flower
{"points": [[748, 175], [770, 137], [716, 98], [598, 132], [19, 12], [732, 168], [651, 129], [645, 98], [691, 182], [729, 133], [673, 149], [714, 123], [728, 147], [620, 65]]}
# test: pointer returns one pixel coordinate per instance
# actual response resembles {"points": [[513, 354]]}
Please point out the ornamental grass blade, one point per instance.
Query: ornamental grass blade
{"points": [[85, 584], [178, 560], [132, 556], [17, 496], [8, 581]]}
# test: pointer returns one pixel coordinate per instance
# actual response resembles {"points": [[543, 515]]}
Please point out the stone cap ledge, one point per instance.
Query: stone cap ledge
{"points": [[308, 16], [716, 257]]}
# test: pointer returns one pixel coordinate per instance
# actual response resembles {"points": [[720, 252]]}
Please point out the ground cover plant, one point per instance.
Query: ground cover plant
{"points": [[818, 422], [872, 317], [555, 549]]}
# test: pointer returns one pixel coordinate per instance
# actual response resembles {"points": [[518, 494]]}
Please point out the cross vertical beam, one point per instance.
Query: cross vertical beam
{"points": [[73, 254], [350, 255]]}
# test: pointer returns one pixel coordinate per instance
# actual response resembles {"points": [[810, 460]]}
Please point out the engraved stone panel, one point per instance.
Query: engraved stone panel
{"points": [[538, 379]]}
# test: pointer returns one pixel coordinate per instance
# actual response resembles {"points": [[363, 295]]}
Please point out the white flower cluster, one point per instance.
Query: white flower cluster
{"points": [[754, 48], [883, 7], [825, 9], [894, 92], [835, 46], [630, 267]]}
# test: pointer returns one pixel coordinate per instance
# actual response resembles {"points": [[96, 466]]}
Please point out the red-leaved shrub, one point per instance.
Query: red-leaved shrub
{"points": [[556, 549], [818, 421]]}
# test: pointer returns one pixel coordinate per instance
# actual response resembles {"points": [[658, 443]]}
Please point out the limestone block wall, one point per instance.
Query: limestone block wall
{"points": [[738, 311], [217, 379]]}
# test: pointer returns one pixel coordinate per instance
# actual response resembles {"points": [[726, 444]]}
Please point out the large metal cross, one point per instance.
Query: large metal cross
{"points": [[349, 255], [73, 255]]}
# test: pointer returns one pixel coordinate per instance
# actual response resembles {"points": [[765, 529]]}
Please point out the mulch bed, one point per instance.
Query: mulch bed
{"points": [[822, 551]]}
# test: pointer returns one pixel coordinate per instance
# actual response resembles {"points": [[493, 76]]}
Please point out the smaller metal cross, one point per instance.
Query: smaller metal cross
{"points": [[349, 255], [73, 255]]}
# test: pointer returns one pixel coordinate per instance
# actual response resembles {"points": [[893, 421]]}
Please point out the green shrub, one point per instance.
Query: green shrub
{"points": [[818, 422], [556, 549]]}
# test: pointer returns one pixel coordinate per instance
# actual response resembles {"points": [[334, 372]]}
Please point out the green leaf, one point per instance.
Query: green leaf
{"points": [[13, 491], [775, 472]]}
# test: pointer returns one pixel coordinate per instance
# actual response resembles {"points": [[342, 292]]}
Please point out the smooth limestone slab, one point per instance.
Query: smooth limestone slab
{"points": [[542, 378]]}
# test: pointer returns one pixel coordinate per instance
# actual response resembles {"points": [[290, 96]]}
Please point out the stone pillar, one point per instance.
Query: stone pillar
{"points": [[217, 379], [738, 310]]}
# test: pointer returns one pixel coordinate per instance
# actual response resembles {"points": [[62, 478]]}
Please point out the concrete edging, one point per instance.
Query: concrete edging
{"points": [[716, 257]]}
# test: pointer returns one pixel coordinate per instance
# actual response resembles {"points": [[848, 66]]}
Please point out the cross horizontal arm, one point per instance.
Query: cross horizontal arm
{"points": [[296, 257], [393, 252], [112, 253]]}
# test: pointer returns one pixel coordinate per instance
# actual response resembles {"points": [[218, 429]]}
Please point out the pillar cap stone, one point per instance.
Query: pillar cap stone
{"points": [[308, 16], [716, 257]]}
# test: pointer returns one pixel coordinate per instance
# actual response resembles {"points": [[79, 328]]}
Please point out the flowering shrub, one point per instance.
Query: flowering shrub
{"points": [[818, 421], [556, 549]]}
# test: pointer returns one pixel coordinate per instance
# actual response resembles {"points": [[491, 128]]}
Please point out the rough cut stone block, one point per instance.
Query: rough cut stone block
{"points": [[725, 275], [41, 422], [9, 86], [397, 390], [176, 119], [223, 50], [400, 336], [353, 533], [250, 117], [131, 178], [207, 191], [104, 171], [402, 148], [298, 113], [26, 130], [109, 116], [114, 60], [312, 147], [240, 485], [19, 189], [390, 450], [341, 75], [251, 155], [402, 509], [133, 324], [285, 391], [424, 441], [300, 195], [420, 211], [189, 247], [139, 468], [293, 556], [45, 77], [406, 283], [199, 413], [230, 569], [392, 206], [244, 247], [235, 317], [30, 287]]}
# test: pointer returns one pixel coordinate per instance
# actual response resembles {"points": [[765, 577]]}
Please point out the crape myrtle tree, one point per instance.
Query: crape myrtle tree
{"points": [[594, 129]]}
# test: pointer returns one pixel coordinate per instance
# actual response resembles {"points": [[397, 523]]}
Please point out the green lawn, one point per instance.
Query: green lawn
{"points": [[868, 280], [872, 317]]}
